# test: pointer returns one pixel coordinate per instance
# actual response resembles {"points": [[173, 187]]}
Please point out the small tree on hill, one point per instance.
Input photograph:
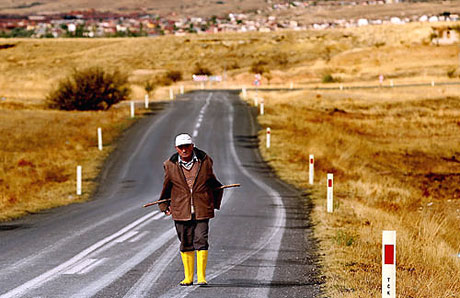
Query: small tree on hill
{"points": [[89, 89]]}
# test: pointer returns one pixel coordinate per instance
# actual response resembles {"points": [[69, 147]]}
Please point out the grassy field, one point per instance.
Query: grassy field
{"points": [[394, 152], [396, 161]]}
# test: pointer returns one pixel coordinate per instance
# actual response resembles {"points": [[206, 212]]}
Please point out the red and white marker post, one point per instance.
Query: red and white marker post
{"points": [[78, 180], [330, 187], [261, 106], [268, 137], [99, 138], [311, 169], [389, 264]]}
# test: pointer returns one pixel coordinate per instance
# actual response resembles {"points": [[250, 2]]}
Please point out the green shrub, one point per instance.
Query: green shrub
{"points": [[344, 238], [328, 78], [174, 75], [89, 89], [259, 66], [201, 70], [451, 73], [149, 86]]}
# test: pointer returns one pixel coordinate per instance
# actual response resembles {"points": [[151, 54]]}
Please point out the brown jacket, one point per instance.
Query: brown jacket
{"points": [[205, 196]]}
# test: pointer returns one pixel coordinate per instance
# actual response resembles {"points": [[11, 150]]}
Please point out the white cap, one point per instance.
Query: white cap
{"points": [[183, 139]]}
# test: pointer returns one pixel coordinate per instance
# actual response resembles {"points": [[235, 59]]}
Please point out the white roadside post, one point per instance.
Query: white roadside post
{"points": [[146, 99], [330, 188], [392, 84], [292, 85], [341, 87], [99, 138], [132, 109], [181, 89], [389, 264], [202, 85], [244, 92], [311, 168], [171, 94], [432, 83], [268, 137], [78, 180], [256, 101], [261, 106]]}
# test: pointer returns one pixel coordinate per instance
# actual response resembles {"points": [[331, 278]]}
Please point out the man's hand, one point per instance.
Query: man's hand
{"points": [[168, 212]]}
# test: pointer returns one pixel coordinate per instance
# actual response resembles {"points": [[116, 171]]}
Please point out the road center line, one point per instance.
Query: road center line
{"points": [[272, 238], [200, 117]]}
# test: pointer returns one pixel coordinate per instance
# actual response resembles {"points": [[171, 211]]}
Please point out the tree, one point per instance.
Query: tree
{"points": [[89, 89]]}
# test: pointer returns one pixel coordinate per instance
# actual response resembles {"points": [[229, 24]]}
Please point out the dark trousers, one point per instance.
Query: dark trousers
{"points": [[193, 234]]}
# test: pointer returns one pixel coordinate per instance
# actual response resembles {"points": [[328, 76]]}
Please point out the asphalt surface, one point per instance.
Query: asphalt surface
{"points": [[261, 243]]}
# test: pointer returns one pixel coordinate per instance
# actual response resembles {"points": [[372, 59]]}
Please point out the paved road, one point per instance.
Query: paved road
{"points": [[260, 241]]}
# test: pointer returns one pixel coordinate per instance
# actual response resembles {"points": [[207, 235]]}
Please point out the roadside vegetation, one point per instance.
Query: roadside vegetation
{"points": [[393, 151], [396, 166]]}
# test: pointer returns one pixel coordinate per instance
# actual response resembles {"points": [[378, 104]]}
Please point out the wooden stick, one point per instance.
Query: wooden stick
{"points": [[167, 200], [156, 202], [229, 186]]}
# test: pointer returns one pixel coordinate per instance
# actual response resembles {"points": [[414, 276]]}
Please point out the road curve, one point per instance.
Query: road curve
{"points": [[260, 241]]}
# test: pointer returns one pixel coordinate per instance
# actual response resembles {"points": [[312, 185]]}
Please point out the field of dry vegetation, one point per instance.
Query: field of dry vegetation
{"points": [[393, 151]]}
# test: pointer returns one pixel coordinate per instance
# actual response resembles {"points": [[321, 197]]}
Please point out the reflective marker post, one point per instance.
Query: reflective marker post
{"points": [[311, 168], [268, 137], [330, 187], [78, 180], [261, 106], [389, 264], [146, 98], [99, 138], [132, 109]]}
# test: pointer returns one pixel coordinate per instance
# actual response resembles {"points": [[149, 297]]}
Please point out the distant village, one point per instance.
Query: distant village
{"points": [[91, 23]]}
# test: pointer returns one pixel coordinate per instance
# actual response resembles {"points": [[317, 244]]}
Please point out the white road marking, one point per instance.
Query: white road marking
{"points": [[148, 279], [272, 238], [200, 117], [92, 266], [80, 266], [139, 237], [105, 280], [56, 271], [126, 236]]}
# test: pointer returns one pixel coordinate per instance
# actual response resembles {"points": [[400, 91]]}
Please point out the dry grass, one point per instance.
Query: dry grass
{"points": [[396, 166], [41, 149], [394, 152], [303, 57]]}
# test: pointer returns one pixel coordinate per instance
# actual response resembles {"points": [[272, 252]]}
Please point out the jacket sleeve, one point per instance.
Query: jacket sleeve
{"points": [[166, 192], [213, 183]]}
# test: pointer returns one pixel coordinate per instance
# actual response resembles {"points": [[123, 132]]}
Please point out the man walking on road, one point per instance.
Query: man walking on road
{"points": [[192, 188]]}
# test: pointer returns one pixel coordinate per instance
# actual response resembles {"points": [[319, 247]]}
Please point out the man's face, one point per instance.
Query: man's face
{"points": [[185, 151]]}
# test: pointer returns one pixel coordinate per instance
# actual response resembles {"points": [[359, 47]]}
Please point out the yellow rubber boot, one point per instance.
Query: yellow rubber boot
{"points": [[202, 260], [188, 259]]}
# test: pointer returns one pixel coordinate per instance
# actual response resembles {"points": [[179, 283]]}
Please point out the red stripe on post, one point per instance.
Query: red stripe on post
{"points": [[311, 160], [389, 255], [329, 183]]}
